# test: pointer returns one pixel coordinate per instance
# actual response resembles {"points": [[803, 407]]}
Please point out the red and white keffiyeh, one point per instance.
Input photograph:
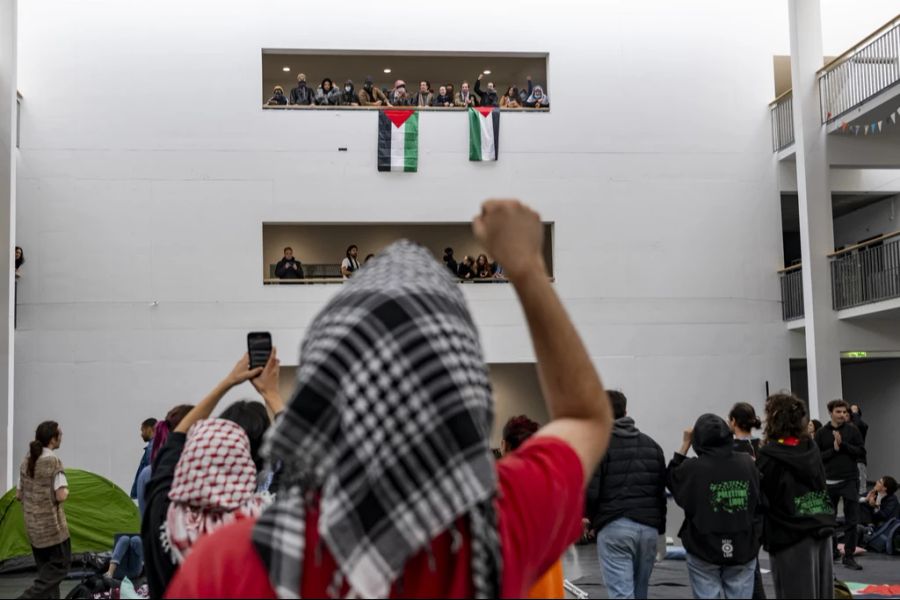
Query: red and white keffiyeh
{"points": [[214, 484]]}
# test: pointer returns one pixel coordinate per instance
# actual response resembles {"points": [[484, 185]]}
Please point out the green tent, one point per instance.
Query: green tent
{"points": [[96, 510]]}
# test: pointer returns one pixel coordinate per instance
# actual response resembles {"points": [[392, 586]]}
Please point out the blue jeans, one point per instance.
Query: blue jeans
{"points": [[715, 581], [627, 551], [128, 556]]}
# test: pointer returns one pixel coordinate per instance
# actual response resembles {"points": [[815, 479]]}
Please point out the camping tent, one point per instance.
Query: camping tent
{"points": [[96, 510]]}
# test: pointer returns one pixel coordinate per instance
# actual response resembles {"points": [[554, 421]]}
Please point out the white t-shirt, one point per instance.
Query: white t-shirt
{"points": [[59, 481], [347, 264]]}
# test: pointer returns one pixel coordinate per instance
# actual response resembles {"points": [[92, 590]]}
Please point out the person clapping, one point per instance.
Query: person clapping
{"points": [[289, 267]]}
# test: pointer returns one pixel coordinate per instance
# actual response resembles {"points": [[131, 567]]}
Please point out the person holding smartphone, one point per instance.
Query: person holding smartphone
{"points": [[289, 267]]}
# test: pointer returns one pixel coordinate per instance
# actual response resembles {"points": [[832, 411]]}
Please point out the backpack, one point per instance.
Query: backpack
{"points": [[886, 538]]}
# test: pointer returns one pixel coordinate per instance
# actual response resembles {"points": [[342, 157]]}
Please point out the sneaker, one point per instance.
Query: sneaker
{"points": [[850, 563]]}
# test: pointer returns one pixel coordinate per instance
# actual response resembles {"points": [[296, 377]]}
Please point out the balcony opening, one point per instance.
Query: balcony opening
{"points": [[281, 67], [320, 248]]}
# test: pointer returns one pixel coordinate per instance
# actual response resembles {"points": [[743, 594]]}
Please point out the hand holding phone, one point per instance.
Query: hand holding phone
{"points": [[259, 347]]}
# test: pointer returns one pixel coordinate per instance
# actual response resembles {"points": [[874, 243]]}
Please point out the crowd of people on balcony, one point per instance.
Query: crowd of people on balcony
{"points": [[445, 96]]}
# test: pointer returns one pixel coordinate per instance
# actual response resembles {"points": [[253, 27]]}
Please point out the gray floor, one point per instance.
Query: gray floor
{"points": [[669, 579]]}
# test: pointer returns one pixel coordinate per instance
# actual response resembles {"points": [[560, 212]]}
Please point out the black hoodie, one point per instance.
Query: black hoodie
{"points": [[793, 486], [840, 465], [719, 492]]}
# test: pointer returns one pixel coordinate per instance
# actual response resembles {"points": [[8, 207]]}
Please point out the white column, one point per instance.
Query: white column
{"points": [[823, 358], [7, 228]]}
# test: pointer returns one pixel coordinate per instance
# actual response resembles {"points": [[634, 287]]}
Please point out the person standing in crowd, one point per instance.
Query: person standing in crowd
{"points": [[160, 435], [327, 94], [289, 267], [42, 490], [425, 96], [813, 426], [350, 264], [841, 445], [799, 520], [511, 98], [719, 492], [450, 262], [302, 95], [486, 97], [147, 427], [348, 95], [743, 420], [516, 431], [277, 98], [881, 502], [444, 98], [861, 463], [206, 474], [20, 260], [399, 96], [465, 98], [489, 528], [626, 505], [370, 95]]}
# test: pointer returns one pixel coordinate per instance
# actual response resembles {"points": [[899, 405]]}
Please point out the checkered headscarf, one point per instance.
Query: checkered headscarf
{"points": [[214, 484], [388, 429]]}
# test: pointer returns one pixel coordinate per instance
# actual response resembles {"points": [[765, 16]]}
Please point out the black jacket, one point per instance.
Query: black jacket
{"points": [[841, 465], [486, 97], [158, 564], [719, 492], [283, 272], [303, 94], [856, 419], [796, 497], [630, 482], [890, 509], [750, 446]]}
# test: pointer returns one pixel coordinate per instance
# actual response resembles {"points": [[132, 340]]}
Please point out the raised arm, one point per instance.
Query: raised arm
{"points": [[239, 374], [576, 401]]}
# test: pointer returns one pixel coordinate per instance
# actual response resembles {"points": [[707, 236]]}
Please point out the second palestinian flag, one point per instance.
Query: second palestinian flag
{"points": [[398, 140], [484, 133]]}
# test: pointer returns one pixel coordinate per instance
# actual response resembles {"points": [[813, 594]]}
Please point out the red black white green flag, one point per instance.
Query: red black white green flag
{"points": [[484, 133], [398, 140]]}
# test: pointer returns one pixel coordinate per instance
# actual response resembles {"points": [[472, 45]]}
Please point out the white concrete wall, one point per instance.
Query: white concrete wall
{"points": [[875, 386], [147, 168]]}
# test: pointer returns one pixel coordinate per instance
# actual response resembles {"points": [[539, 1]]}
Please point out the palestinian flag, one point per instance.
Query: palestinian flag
{"points": [[398, 140], [484, 133]]}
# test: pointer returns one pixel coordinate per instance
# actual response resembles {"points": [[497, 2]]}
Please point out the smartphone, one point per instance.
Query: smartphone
{"points": [[259, 347]]}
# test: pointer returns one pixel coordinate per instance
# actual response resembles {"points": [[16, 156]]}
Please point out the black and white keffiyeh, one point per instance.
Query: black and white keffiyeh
{"points": [[389, 427]]}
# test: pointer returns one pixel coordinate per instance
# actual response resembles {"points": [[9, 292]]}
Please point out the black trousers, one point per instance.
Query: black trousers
{"points": [[52, 567], [849, 492]]}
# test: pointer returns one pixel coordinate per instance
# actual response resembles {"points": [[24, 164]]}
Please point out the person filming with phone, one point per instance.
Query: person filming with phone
{"points": [[289, 267]]}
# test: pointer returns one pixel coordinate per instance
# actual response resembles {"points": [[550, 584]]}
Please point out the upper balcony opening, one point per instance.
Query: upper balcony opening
{"points": [[448, 69], [320, 249]]}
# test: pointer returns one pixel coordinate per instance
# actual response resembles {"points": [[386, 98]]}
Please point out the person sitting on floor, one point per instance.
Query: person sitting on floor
{"points": [[881, 502]]}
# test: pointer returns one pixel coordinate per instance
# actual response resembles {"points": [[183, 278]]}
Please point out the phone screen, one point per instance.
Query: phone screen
{"points": [[259, 346]]}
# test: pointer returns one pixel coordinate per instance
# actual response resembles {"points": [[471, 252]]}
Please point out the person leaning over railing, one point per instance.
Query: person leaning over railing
{"points": [[327, 94], [277, 98], [302, 95], [424, 97], [465, 98], [536, 96], [370, 95], [348, 95], [399, 96], [488, 97], [511, 98]]}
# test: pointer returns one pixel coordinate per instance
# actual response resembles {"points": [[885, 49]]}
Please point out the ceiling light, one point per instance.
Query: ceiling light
{"points": [[387, 70], [285, 69], [487, 71]]}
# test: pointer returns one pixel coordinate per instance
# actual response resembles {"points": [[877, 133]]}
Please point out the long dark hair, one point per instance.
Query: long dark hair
{"points": [[254, 420], [351, 247], [517, 430], [45, 433], [20, 261], [744, 416], [785, 417]]}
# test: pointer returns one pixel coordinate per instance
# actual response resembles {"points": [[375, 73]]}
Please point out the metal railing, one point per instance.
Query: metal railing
{"points": [[782, 111], [870, 67], [866, 273], [791, 293]]}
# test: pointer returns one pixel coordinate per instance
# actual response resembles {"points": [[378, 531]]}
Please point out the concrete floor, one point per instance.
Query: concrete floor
{"points": [[670, 579]]}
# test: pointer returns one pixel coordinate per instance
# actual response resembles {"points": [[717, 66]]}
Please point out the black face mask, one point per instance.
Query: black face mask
{"points": [[279, 94]]}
